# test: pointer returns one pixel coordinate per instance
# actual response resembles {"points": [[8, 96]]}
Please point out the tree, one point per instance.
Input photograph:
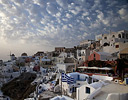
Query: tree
{"points": [[121, 65], [96, 63]]}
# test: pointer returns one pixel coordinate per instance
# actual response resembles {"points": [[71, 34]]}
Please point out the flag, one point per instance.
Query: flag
{"points": [[66, 78], [70, 81]]}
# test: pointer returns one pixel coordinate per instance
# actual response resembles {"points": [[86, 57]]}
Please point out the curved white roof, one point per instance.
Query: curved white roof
{"points": [[76, 73], [97, 85], [61, 98]]}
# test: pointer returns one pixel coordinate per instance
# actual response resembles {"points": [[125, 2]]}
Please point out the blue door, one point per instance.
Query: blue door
{"points": [[78, 77]]}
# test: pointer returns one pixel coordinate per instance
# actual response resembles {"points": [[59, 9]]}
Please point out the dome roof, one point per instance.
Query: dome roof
{"points": [[24, 54], [12, 55]]}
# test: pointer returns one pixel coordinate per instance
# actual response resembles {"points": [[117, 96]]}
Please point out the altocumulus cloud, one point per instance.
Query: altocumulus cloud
{"points": [[31, 25]]}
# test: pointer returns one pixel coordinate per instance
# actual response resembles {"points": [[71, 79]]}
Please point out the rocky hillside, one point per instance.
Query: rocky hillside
{"points": [[20, 87]]}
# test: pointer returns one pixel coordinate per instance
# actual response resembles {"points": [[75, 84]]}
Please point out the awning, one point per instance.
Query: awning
{"points": [[83, 67], [103, 68]]}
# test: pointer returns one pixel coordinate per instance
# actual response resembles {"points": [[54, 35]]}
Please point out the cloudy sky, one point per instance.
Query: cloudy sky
{"points": [[40, 25]]}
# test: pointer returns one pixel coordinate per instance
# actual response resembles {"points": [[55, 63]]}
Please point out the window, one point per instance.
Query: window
{"points": [[70, 90], [78, 77], [87, 90], [117, 46], [119, 36], [40, 87], [105, 37], [113, 36], [123, 35], [79, 54], [126, 36], [94, 56], [74, 89], [106, 44]]}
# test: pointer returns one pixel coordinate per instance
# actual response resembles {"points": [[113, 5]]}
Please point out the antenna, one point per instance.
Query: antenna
{"points": [[10, 53], [110, 32]]}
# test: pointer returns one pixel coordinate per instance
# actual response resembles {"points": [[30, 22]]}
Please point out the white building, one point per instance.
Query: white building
{"points": [[37, 60], [112, 41], [89, 91], [12, 57], [65, 55], [7, 69], [111, 38], [23, 58], [86, 43], [62, 56], [1, 62], [98, 37], [118, 46], [82, 55], [66, 67], [45, 61]]}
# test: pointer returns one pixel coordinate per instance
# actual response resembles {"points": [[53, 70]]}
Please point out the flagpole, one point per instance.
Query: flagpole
{"points": [[61, 84]]}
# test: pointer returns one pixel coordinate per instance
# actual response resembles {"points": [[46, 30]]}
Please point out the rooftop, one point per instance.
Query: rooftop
{"points": [[61, 98], [104, 53], [124, 51], [111, 88]]}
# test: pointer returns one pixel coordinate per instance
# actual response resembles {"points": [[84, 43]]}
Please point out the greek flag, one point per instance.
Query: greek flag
{"points": [[66, 78]]}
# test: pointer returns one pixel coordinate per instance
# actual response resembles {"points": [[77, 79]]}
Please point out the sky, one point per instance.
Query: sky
{"points": [[40, 25]]}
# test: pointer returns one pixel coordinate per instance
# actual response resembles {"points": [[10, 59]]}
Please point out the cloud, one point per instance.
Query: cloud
{"points": [[96, 24], [88, 18], [58, 14], [110, 3], [96, 5], [68, 15], [76, 10], [63, 3], [85, 14], [105, 21], [100, 15], [85, 34], [70, 25], [123, 14], [51, 8], [64, 19]]}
